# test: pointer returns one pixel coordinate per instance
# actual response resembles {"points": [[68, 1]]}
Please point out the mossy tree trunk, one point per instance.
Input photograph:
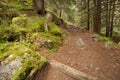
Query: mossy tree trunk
{"points": [[39, 5]]}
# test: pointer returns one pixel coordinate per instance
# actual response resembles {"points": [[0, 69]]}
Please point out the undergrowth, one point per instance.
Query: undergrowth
{"points": [[22, 38]]}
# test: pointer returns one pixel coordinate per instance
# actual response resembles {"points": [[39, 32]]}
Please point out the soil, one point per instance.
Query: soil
{"points": [[82, 53]]}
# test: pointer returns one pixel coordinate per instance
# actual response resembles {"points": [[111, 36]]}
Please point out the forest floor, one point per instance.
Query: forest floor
{"points": [[82, 53]]}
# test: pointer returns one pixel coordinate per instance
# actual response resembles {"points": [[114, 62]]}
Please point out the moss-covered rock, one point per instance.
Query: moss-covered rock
{"points": [[54, 29], [47, 40], [30, 64], [100, 38], [19, 44], [30, 60]]}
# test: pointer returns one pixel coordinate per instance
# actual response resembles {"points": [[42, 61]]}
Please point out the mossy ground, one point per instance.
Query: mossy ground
{"points": [[18, 39], [107, 40]]}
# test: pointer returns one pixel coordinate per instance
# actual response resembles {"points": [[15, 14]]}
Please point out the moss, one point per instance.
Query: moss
{"points": [[17, 49], [12, 34], [20, 21], [22, 73], [53, 42], [48, 40], [11, 59], [49, 11], [19, 41], [30, 64], [36, 22], [4, 47], [102, 38], [54, 29]]}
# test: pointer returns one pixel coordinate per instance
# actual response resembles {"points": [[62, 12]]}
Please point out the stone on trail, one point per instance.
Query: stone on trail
{"points": [[108, 44], [80, 42]]}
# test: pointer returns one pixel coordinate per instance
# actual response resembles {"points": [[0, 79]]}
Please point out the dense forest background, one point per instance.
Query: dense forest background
{"points": [[100, 16]]}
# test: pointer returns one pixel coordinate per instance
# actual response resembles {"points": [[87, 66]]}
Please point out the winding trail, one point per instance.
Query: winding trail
{"points": [[82, 53]]}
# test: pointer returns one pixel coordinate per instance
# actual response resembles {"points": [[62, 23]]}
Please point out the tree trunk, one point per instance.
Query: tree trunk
{"points": [[39, 5], [22, 1], [97, 16], [60, 14], [88, 13], [112, 18], [107, 16]]}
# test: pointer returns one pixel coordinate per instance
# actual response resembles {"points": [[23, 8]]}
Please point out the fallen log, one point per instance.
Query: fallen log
{"points": [[77, 75]]}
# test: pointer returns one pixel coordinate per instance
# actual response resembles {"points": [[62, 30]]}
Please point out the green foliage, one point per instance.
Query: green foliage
{"points": [[35, 23], [31, 60], [102, 38], [54, 29], [30, 63], [48, 40], [12, 48], [19, 21], [19, 30], [12, 34], [20, 36], [53, 42], [29, 34], [22, 73]]}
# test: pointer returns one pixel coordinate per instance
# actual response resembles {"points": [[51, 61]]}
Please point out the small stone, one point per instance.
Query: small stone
{"points": [[81, 48], [97, 68], [114, 66], [91, 65], [117, 64], [86, 67], [119, 44], [67, 61], [80, 42], [108, 44], [111, 54], [95, 39]]}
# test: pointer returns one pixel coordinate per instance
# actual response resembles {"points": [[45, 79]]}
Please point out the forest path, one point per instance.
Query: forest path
{"points": [[82, 53]]}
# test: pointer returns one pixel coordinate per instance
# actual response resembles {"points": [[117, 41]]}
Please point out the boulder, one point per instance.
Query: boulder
{"points": [[108, 44]]}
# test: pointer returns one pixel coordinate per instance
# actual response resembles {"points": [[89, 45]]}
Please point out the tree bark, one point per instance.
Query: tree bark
{"points": [[88, 13], [97, 16], [107, 22], [39, 5], [112, 18]]}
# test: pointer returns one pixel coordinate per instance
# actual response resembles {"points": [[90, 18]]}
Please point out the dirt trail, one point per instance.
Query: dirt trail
{"points": [[82, 53]]}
